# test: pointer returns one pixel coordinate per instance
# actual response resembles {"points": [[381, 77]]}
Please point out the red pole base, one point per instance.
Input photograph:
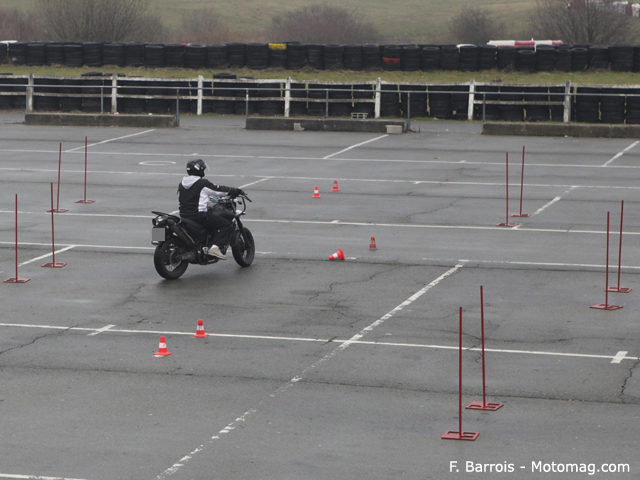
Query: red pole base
{"points": [[16, 280], [484, 406], [57, 210], [619, 289], [53, 265], [85, 201], [523, 215], [456, 435], [604, 306], [507, 225]]}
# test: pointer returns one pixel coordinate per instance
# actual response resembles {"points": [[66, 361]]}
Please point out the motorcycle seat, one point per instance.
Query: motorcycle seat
{"points": [[194, 227]]}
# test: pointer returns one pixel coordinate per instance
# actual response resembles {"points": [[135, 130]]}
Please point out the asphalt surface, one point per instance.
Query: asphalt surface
{"points": [[320, 369]]}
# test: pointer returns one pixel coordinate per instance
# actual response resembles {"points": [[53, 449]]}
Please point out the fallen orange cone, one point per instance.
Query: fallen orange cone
{"points": [[200, 330], [339, 254], [162, 349]]}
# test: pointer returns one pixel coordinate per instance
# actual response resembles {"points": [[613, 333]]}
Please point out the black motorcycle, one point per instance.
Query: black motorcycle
{"points": [[180, 241]]}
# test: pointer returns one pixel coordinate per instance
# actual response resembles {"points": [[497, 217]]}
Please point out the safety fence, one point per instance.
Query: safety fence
{"points": [[288, 97]]}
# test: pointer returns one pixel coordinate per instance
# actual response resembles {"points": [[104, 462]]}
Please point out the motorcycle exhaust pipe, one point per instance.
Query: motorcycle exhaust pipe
{"points": [[182, 236]]}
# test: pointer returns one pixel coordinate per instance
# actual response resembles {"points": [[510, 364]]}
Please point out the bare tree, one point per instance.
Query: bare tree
{"points": [[92, 20], [322, 23], [202, 26], [476, 25], [16, 25], [583, 21]]}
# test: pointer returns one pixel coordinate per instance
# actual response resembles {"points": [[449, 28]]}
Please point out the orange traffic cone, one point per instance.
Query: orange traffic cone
{"points": [[200, 330], [162, 349], [372, 245], [339, 254], [335, 186], [316, 193]]}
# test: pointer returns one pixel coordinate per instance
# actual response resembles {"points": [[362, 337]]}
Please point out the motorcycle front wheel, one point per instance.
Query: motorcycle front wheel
{"points": [[166, 260], [245, 249]]}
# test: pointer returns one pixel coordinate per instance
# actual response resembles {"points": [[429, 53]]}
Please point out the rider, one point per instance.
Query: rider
{"points": [[193, 194]]}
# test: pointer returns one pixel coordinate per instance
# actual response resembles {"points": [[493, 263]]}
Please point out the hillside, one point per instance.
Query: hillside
{"points": [[416, 21]]}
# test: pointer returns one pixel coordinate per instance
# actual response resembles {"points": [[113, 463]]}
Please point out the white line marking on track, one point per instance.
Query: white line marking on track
{"points": [[47, 255], [110, 140], [253, 183], [621, 355], [557, 199], [100, 330], [618, 155], [34, 477], [175, 467], [315, 159], [353, 146]]}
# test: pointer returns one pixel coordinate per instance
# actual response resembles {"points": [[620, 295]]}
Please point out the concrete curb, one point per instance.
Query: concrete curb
{"points": [[324, 124], [584, 130], [100, 120]]}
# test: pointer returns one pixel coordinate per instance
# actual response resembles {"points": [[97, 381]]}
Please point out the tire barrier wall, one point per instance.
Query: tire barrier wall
{"points": [[230, 95], [295, 56]]}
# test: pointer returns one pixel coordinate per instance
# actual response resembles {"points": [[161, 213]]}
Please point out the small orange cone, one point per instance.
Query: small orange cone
{"points": [[162, 349], [316, 193], [200, 330], [339, 254], [335, 186], [372, 245]]}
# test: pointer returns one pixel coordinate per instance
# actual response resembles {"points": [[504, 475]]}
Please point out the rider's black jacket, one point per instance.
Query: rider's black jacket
{"points": [[194, 193]]}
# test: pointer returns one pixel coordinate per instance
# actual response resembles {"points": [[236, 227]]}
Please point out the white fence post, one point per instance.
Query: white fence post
{"points": [[472, 98], [114, 93], [378, 96], [287, 97], [566, 117], [200, 83]]}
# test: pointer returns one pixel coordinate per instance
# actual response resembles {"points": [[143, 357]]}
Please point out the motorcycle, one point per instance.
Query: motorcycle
{"points": [[180, 241]]}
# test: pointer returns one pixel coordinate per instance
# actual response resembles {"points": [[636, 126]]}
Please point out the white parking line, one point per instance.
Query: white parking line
{"points": [[353, 146], [557, 199], [110, 140], [34, 477], [618, 155], [621, 355], [312, 368], [41, 257]]}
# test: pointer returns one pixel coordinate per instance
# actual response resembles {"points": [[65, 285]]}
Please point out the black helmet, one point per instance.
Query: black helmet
{"points": [[196, 167]]}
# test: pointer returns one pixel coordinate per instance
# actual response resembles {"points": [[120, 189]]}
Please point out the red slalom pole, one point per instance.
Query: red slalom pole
{"points": [[16, 279], [57, 209], [84, 200], [460, 434], [620, 289], [53, 264], [506, 223], [521, 190], [605, 305], [483, 405]]}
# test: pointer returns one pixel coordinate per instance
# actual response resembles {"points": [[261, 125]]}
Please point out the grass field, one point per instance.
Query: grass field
{"points": [[415, 21], [594, 78]]}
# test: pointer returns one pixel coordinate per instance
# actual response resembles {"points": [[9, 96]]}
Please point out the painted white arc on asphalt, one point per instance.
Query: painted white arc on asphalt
{"points": [[176, 466], [353, 146]]}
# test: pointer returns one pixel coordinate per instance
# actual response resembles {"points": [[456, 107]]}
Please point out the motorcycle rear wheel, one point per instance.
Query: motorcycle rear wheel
{"points": [[245, 249], [166, 262]]}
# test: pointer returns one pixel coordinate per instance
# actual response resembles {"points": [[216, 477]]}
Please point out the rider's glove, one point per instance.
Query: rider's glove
{"points": [[234, 192]]}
